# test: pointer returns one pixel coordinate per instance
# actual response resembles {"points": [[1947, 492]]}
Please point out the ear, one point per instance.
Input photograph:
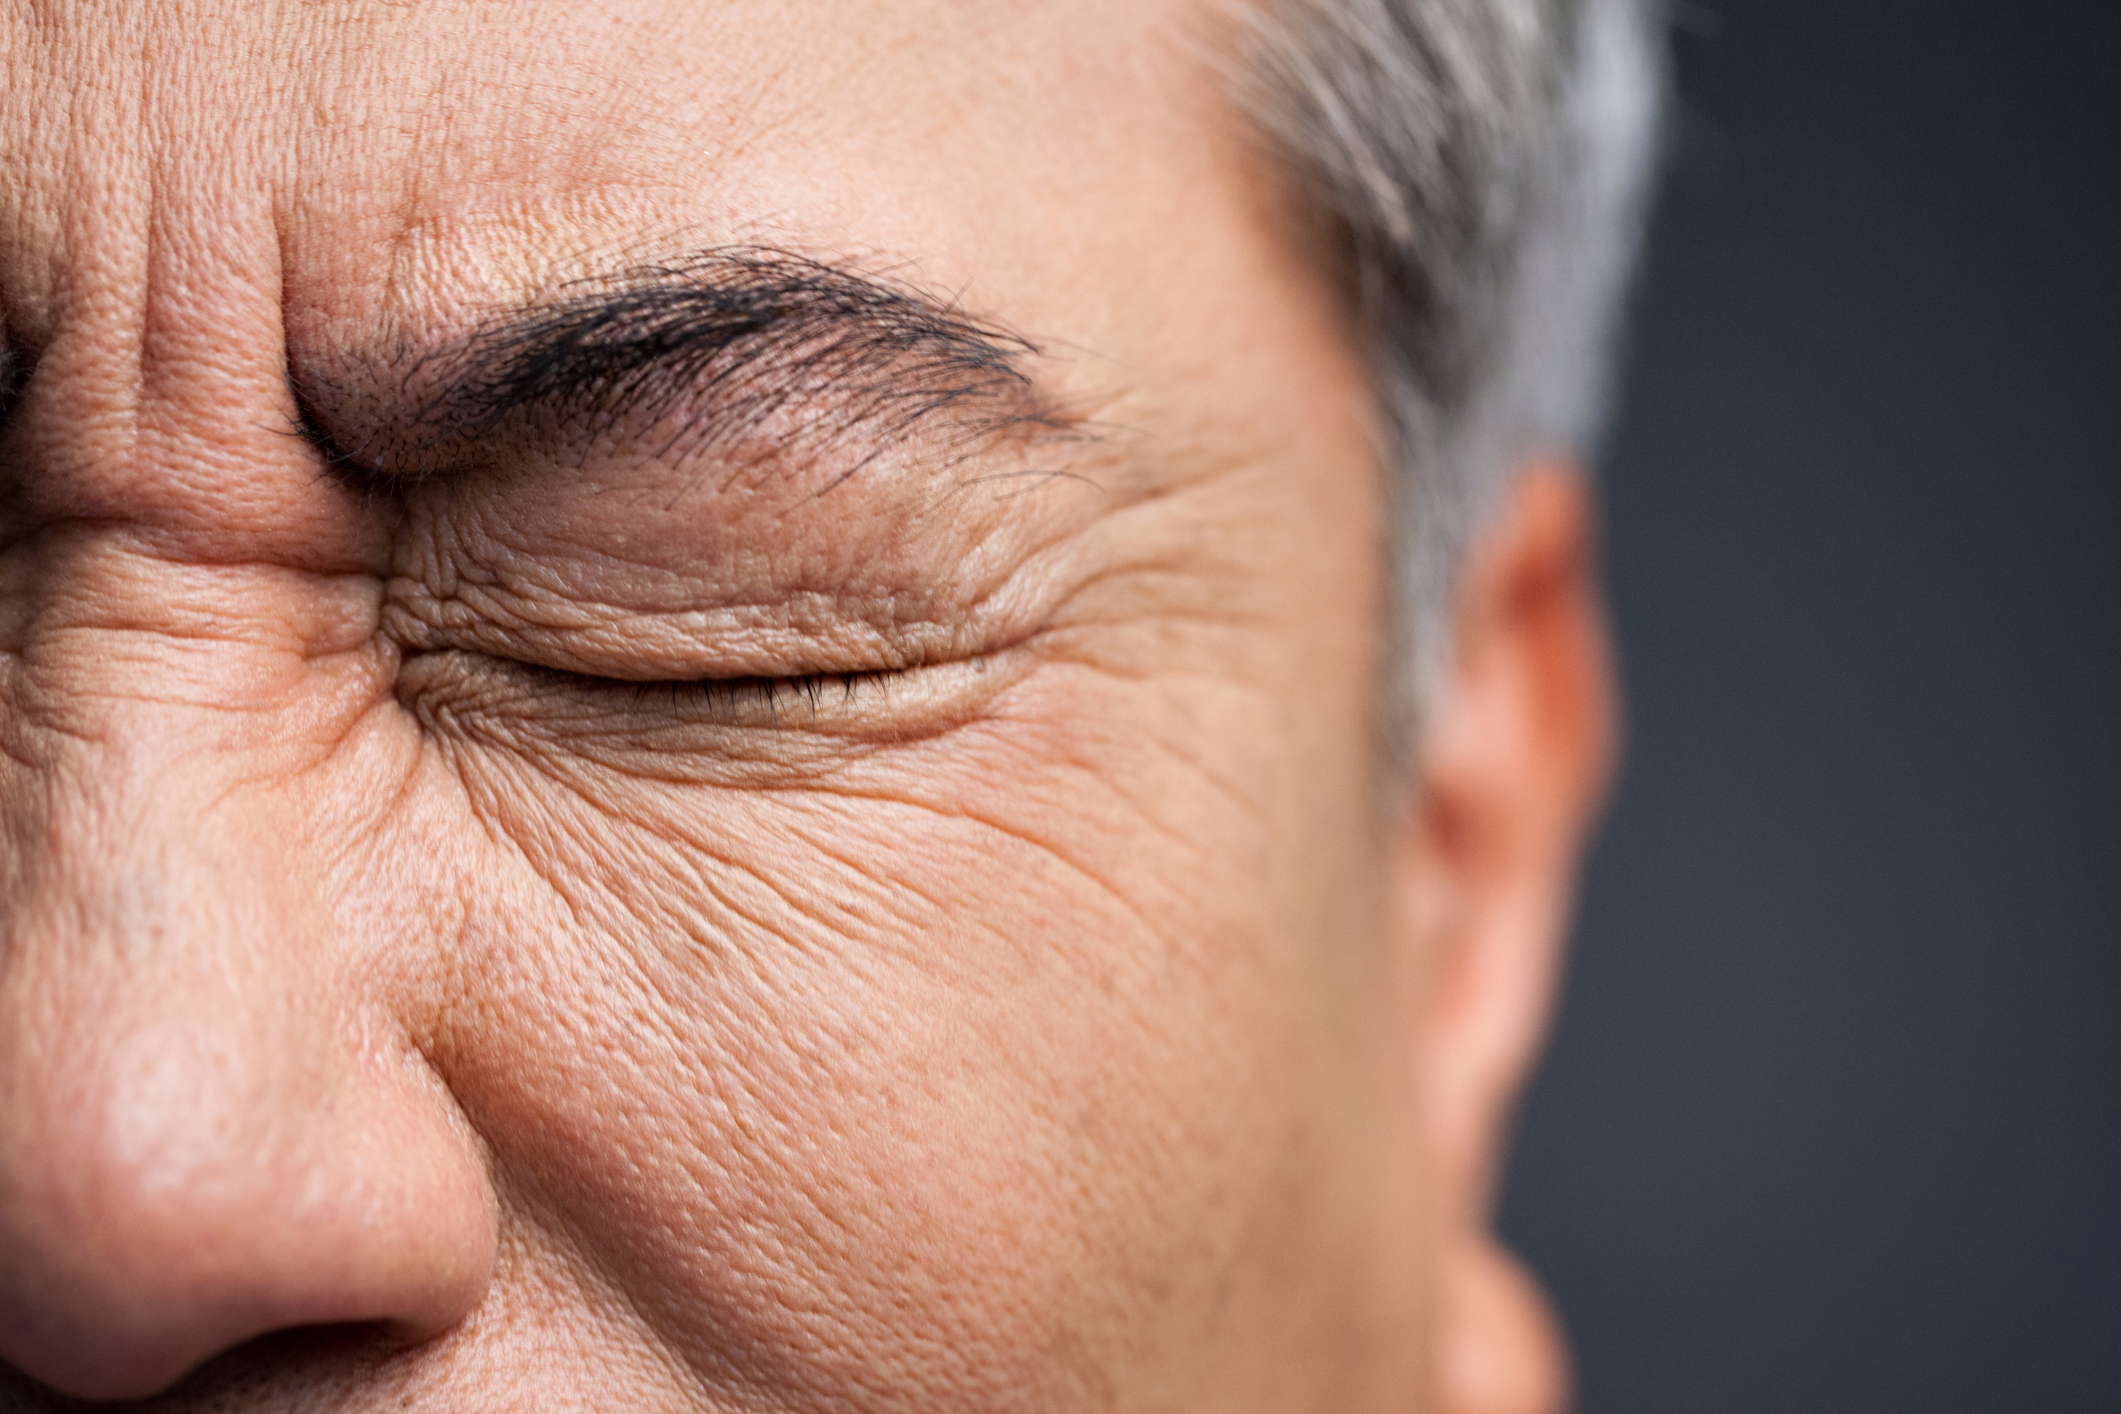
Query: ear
{"points": [[1512, 764]]}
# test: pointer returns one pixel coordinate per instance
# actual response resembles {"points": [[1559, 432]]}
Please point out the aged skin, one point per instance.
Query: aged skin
{"points": [[841, 867]]}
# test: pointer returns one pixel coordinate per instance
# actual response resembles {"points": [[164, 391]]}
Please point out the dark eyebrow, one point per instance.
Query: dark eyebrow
{"points": [[707, 350]]}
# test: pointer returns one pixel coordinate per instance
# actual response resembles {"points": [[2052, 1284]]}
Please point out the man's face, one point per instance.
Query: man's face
{"points": [[687, 719]]}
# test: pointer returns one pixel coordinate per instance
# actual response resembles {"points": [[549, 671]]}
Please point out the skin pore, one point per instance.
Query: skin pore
{"points": [[855, 882]]}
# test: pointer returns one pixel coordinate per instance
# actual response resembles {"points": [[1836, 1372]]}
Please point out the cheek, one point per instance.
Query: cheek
{"points": [[988, 1065]]}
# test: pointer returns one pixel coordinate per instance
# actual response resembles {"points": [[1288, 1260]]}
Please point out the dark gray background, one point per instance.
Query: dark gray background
{"points": [[1832, 1118]]}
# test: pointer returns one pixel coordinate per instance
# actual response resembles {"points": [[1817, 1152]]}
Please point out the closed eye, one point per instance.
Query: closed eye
{"points": [[457, 690], [731, 700]]}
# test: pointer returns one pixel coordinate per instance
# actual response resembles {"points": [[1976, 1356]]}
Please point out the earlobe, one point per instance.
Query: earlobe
{"points": [[1502, 1351]]}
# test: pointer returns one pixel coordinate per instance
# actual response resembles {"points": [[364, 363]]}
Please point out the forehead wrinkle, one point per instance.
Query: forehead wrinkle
{"points": [[434, 179]]}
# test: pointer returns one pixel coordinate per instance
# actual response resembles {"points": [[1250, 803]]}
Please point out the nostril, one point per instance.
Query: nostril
{"points": [[119, 1319], [126, 1315], [347, 1350], [17, 367]]}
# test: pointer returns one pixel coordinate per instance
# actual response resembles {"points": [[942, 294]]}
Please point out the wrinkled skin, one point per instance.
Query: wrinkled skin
{"points": [[1049, 1013]]}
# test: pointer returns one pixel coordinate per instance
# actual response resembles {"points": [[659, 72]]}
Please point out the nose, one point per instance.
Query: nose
{"points": [[213, 1123]]}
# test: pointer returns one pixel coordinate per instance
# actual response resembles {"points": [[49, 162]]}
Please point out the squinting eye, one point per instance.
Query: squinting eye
{"points": [[464, 686], [509, 699], [794, 700], [735, 700]]}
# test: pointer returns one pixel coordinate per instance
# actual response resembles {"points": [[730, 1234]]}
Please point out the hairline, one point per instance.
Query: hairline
{"points": [[1484, 165]]}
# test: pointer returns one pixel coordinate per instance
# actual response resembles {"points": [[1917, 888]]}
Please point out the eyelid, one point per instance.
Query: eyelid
{"points": [[706, 730], [724, 643]]}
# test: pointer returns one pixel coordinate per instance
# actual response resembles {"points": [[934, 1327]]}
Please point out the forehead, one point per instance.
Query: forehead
{"points": [[404, 161]]}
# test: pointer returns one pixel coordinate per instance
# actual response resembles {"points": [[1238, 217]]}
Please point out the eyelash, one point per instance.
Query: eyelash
{"points": [[731, 698]]}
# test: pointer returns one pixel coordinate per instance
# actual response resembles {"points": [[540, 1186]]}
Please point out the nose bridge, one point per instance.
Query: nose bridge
{"points": [[145, 969], [166, 948], [132, 822], [153, 1000], [172, 737]]}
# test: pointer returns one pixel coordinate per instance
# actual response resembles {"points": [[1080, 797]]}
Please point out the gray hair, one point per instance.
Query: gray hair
{"points": [[1486, 164]]}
